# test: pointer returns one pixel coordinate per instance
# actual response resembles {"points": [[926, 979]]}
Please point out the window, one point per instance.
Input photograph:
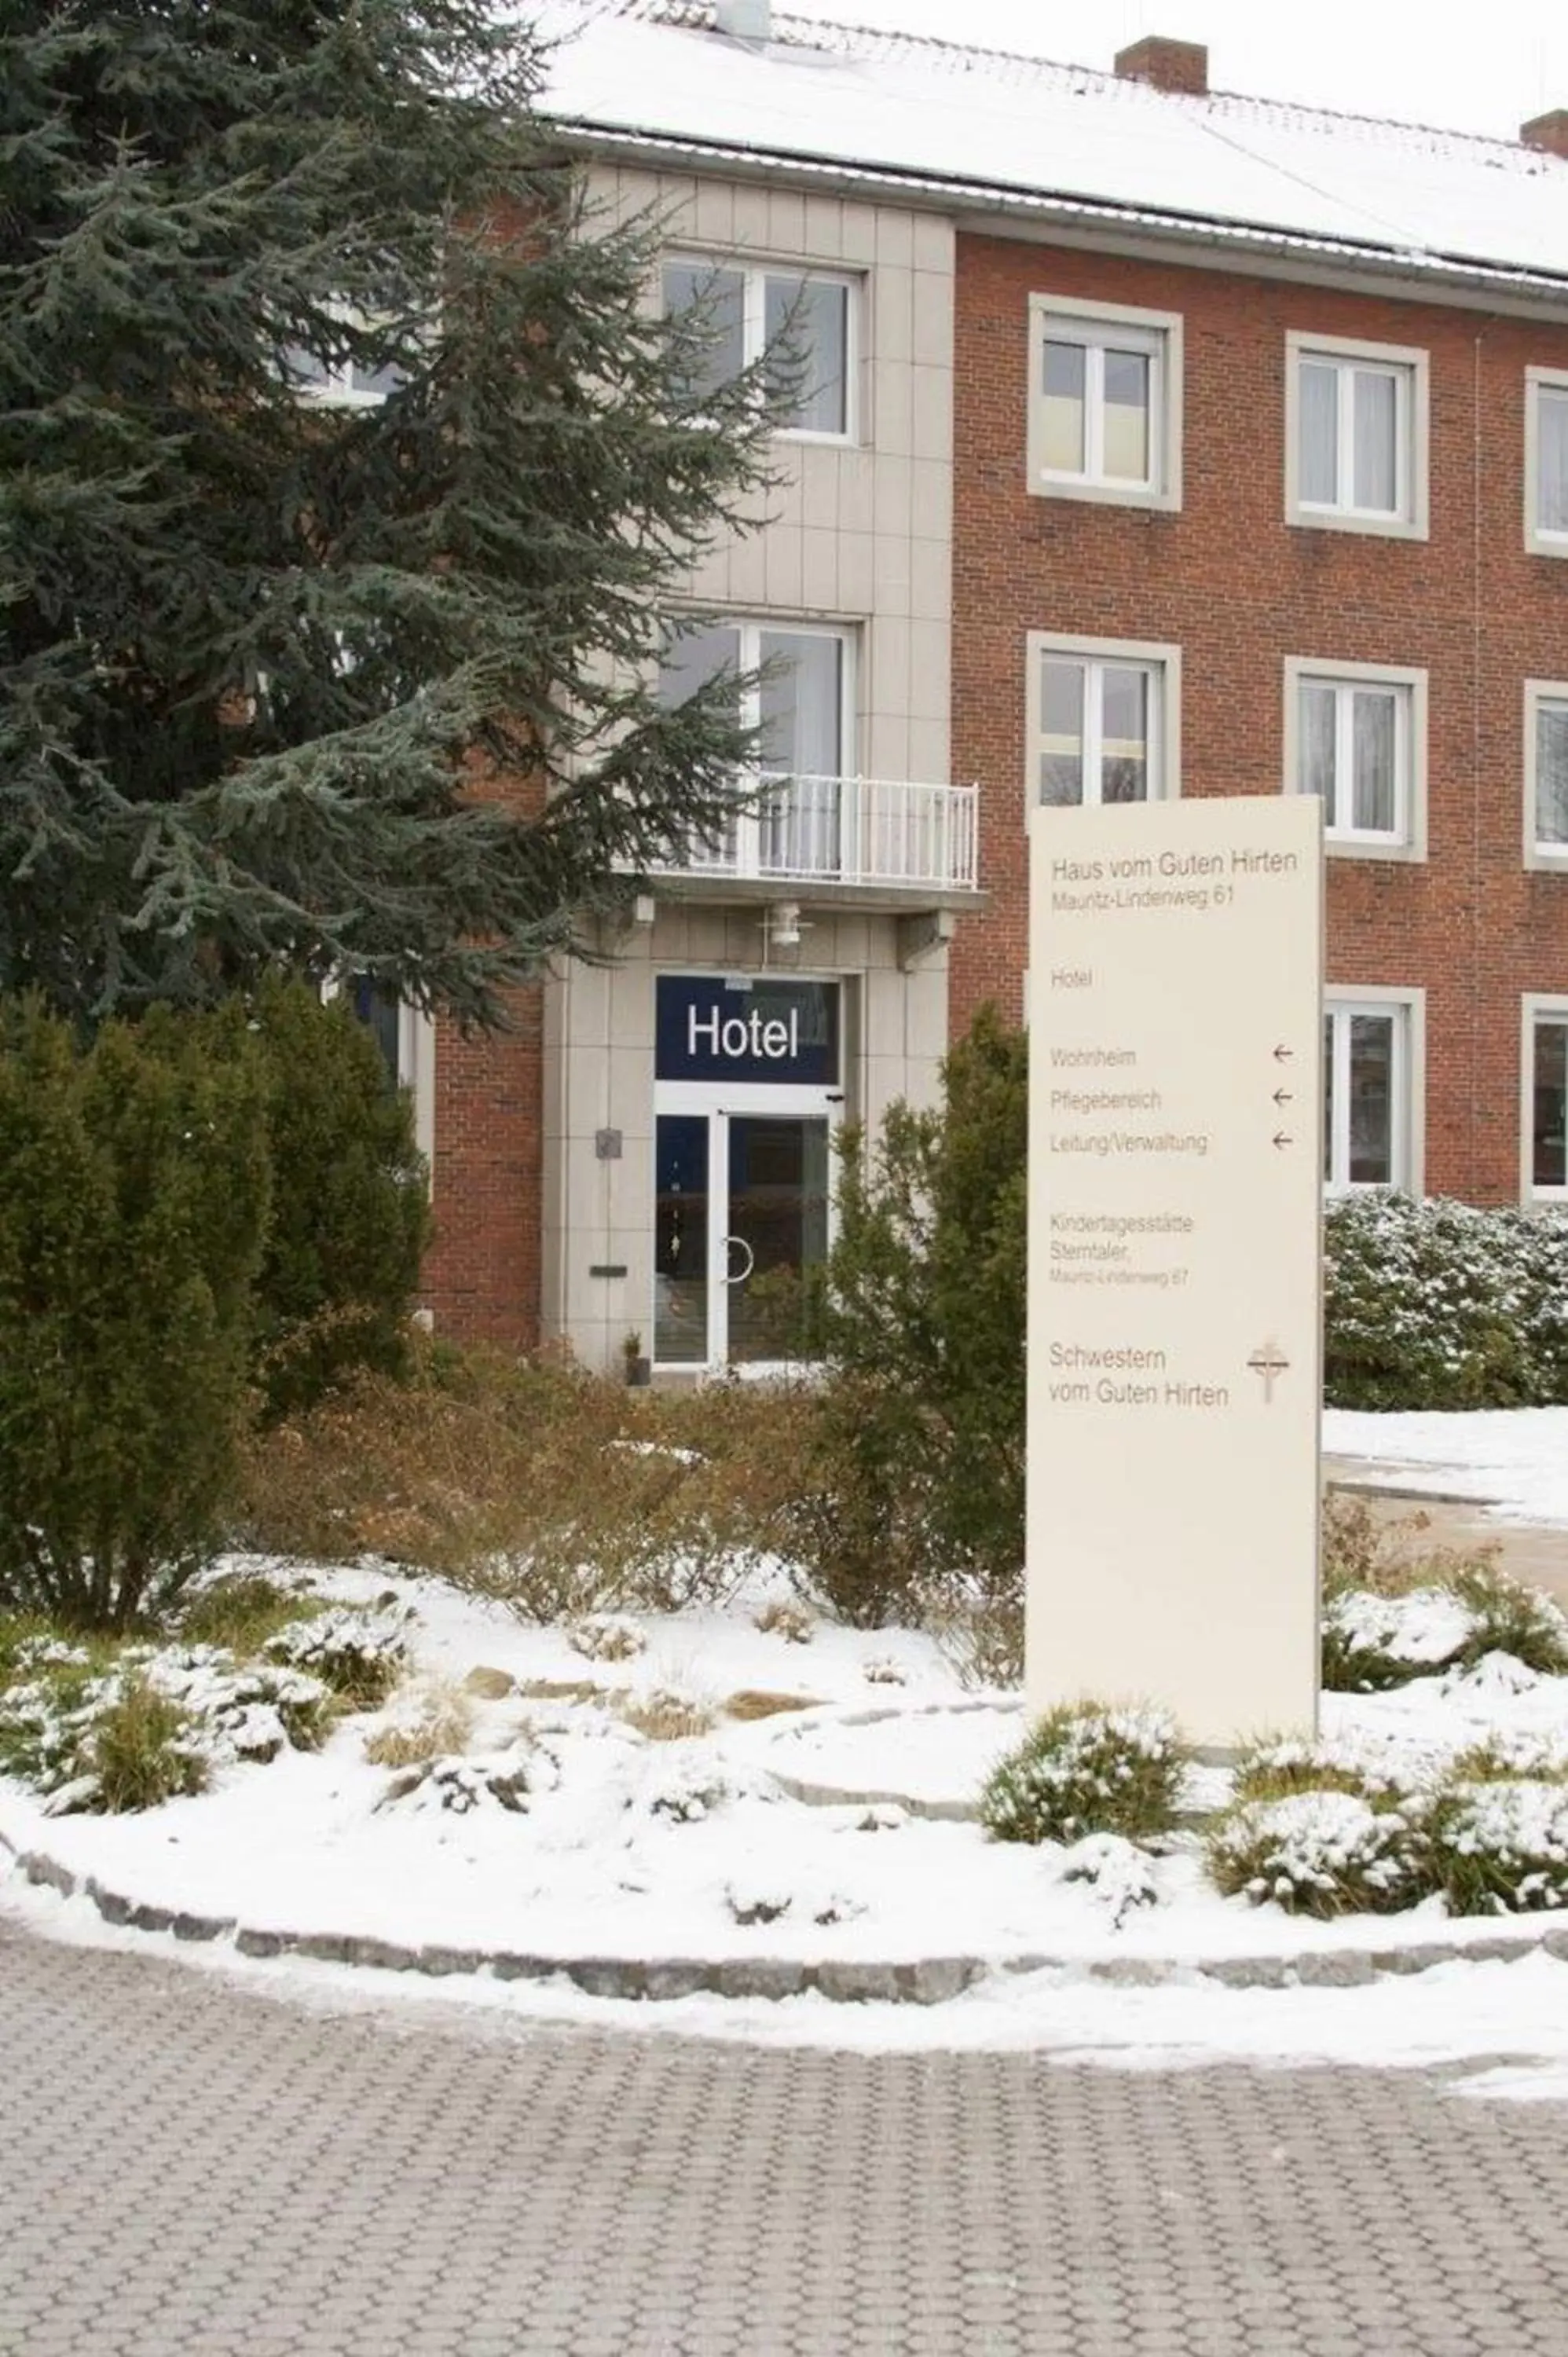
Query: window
{"points": [[1102, 721], [406, 1038], [1356, 734], [340, 379], [1372, 1115], [1544, 1073], [802, 704], [1356, 433], [1546, 461], [1545, 773], [738, 314], [1104, 402]]}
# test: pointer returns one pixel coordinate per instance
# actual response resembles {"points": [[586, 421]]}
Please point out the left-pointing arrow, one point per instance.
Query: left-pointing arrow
{"points": [[1281, 1139]]}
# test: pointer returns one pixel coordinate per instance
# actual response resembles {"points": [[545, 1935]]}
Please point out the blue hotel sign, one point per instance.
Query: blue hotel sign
{"points": [[712, 1028]]}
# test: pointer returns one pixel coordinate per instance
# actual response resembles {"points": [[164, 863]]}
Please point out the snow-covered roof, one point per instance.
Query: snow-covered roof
{"points": [[988, 131]]}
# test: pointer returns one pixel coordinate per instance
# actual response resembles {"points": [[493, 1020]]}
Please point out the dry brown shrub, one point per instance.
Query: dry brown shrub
{"points": [[433, 1720], [554, 1491], [1388, 1553], [666, 1717], [755, 1702]]}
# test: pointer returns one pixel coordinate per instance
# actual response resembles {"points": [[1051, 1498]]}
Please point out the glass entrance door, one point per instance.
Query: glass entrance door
{"points": [[741, 1218]]}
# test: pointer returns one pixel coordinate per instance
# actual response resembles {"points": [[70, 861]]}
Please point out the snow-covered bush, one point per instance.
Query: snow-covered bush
{"points": [[781, 1618], [607, 1637], [360, 1653], [1434, 1305], [429, 1719], [690, 1791], [1321, 1853], [456, 1787], [1086, 1768], [152, 1723], [1120, 1875], [1372, 1641], [1500, 1847], [1272, 1768]]}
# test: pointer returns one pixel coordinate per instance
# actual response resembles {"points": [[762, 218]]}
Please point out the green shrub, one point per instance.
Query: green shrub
{"points": [[132, 1200], [1434, 1305], [350, 1217], [1372, 1641], [1321, 1852], [142, 1751], [1274, 1768], [242, 1611], [359, 1655], [919, 1474], [1087, 1767], [1510, 1617], [1499, 1846]]}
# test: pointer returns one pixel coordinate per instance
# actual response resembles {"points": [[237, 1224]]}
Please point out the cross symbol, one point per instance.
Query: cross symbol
{"points": [[1270, 1361]]}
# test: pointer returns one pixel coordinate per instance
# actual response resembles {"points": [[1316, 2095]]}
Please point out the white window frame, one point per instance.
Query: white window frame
{"points": [[1409, 842], [751, 628], [1067, 318], [754, 270], [1538, 539], [1164, 736], [1548, 857], [1409, 1155], [1413, 413], [1535, 1007]]}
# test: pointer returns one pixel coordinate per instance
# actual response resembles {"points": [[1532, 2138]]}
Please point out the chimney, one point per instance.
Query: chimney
{"points": [[1548, 132], [744, 20], [1181, 66]]}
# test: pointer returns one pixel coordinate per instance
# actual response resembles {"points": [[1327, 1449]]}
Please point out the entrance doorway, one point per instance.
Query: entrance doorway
{"points": [[741, 1218], [746, 1099]]}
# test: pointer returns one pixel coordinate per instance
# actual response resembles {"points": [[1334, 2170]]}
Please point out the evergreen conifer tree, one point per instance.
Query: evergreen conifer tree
{"points": [[323, 684]]}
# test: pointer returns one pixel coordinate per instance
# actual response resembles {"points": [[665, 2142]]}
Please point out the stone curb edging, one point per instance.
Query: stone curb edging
{"points": [[929, 1980]]}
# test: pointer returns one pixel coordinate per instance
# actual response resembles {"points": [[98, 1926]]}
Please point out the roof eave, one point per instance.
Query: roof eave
{"points": [[1004, 201]]}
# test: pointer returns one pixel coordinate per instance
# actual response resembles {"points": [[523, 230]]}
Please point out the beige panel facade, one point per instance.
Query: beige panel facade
{"points": [[855, 534]]}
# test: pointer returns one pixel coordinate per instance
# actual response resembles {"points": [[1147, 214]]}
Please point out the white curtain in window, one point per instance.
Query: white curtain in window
{"points": [[1126, 426], [1377, 440], [1552, 774], [1552, 459], [1319, 704], [1319, 424], [1063, 445], [1374, 738]]}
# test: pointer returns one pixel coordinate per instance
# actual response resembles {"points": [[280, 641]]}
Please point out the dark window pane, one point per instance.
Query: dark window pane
{"points": [[1371, 1100], [1549, 1160]]}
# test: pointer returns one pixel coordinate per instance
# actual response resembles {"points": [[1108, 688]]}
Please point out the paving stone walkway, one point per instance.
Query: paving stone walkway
{"points": [[193, 2168]]}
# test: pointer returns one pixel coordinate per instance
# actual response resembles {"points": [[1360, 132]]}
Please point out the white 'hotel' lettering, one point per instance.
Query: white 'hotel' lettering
{"points": [[772, 1039]]}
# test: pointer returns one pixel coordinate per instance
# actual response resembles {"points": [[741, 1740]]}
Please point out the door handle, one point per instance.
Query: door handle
{"points": [[738, 1275]]}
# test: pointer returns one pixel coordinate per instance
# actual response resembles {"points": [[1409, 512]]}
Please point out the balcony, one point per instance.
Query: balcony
{"points": [[870, 841]]}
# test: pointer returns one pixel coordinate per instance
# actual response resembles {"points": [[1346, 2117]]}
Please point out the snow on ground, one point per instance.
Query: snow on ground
{"points": [[698, 1847], [1515, 1459], [635, 1848]]}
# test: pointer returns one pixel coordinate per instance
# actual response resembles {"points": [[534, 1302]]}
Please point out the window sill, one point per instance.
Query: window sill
{"points": [[1371, 526], [822, 441], [1105, 495], [1360, 846], [1546, 544], [1547, 859]]}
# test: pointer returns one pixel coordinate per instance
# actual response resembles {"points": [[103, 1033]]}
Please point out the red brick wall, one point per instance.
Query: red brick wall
{"points": [[482, 1274], [1238, 590]]}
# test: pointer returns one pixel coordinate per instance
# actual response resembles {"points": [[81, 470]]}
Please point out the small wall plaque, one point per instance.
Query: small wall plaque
{"points": [[607, 1144], [606, 1268]]}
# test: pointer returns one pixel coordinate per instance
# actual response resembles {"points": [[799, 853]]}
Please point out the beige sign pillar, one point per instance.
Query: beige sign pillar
{"points": [[1175, 1169]]}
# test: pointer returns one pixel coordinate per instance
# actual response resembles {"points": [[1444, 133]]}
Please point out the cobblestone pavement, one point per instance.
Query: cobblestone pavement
{"points": [[188, 2169]]}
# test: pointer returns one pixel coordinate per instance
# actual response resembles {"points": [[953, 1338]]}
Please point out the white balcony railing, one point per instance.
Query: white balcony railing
{"points": [[868, 831]]}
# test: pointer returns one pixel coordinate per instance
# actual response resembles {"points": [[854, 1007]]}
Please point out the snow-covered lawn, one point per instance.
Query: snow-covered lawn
{"points": [[622, 1845], [1515, 1459], [566, 1830]]}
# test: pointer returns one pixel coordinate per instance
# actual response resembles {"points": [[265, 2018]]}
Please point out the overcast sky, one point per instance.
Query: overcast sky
{"points": [[1472, 69]]}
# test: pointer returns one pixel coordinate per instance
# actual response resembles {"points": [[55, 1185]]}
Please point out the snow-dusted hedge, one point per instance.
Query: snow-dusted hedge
{"points": [[360, 1652], [1372, 1641], [152, 1723], [1434, 1305], [1084, 1769], [1500, 1847], [1320, 1853]]}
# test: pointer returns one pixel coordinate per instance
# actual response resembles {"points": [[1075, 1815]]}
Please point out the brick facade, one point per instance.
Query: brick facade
{"points": [[482, 1274], [1239, 591]]}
